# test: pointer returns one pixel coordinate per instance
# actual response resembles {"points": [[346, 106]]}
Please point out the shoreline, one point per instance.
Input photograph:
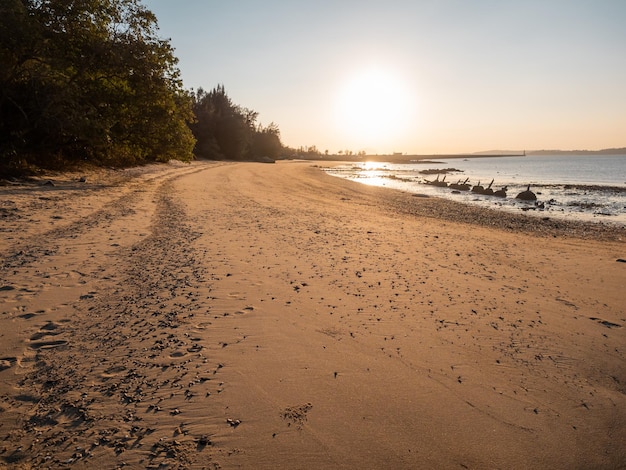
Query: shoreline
{"points": [[397, 158], [245, 315], [561, 211], [454, 211], [423, 158]]}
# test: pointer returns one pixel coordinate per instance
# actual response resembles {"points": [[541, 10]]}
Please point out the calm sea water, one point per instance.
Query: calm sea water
{"points": [[575, 187]]}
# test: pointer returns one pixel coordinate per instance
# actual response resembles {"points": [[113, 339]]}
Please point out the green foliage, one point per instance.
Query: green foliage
{"points": [[88, 80], [266, 141], [224, 130]]}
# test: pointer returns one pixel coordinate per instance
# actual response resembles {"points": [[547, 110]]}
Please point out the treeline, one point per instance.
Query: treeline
{"points": [[225, 130], [91, 81]]}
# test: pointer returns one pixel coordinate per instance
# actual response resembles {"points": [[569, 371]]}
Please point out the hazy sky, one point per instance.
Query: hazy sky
{"points": [[413, 76]]}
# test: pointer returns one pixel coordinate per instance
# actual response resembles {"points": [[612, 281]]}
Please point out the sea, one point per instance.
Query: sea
{"points": [[573, 187]]}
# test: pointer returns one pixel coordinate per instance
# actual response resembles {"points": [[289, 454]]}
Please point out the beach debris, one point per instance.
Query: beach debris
{"points": [[488, 191], [7, 362], [436, 182], [478, 189], [606, 323], [440, 171], [296, 414], [233, 422], [621, 260], [203, 441], [501, 192], [527, 195], [464, 186]]}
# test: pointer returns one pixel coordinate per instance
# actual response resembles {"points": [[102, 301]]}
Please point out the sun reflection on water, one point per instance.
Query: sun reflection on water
{"points": [[368, 166]]}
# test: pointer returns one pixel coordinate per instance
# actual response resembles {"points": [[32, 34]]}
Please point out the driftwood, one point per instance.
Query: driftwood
{"points": [[527, 195], [436, 182], [500, 192], [478, 189], [461, 186]]}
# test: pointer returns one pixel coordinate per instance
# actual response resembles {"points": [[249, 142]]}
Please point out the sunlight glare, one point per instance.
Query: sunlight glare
{"points": [[374, 107], [372, 165]]}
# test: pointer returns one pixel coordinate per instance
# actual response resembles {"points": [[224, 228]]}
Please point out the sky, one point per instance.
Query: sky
{"points": [[413, 76]]}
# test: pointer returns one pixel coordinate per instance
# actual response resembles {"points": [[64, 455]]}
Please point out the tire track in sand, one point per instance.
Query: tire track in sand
{"points": [[120, 375]]}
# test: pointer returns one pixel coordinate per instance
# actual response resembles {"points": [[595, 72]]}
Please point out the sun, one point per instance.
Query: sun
{"points": [[373, 108]]}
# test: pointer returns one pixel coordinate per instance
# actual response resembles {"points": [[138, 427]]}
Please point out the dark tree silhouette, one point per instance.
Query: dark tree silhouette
{"points": [[88, 80], [225, 130], [266, 141]]}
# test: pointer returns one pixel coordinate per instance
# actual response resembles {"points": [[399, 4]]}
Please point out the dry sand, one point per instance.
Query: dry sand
{"points": [[270, 316]]}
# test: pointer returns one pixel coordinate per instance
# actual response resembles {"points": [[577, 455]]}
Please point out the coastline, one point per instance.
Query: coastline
{"points": [[407, 158], [560, 199], [453, 211], [240, 315]]}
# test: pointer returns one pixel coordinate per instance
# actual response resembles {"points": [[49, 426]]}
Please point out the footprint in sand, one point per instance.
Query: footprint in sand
{"points": [[7, 362], [30, 315], [48, 344], [42, 334], [115, 370], [47, 330], [246, 309], [50, 326], [296, 414], [606, 323], [112, 371], [27, 316], [237, 296]]}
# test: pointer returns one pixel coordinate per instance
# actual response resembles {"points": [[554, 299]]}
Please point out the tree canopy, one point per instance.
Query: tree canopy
{"points": [[88, 80], [225, 130]]}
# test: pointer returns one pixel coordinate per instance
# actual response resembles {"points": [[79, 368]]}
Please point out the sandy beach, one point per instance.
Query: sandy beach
{"points": [[247, 315]]}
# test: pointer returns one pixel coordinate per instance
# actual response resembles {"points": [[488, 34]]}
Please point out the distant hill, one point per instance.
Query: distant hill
{"points": [[492, 153], [406, 158], [614, 151]]}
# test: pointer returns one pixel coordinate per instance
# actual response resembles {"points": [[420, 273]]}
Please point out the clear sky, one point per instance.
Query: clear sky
{"points": [[413, 76]]}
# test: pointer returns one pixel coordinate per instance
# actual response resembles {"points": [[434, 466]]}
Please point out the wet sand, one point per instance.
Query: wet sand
{"points": [[222, 315]]}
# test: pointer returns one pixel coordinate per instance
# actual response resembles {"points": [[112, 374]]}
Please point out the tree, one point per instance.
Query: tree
{"points": [[221, 129], [266, 141], [225, 130], [88, 80]]}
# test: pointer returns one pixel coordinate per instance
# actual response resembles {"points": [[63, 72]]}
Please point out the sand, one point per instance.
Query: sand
{"points": [[243, 315]]}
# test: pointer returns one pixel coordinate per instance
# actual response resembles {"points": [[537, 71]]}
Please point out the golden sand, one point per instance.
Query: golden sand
{"points": [[242, 315]]}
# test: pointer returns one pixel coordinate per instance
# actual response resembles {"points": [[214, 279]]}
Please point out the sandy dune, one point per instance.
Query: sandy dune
{"points": [[270, 316]]}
